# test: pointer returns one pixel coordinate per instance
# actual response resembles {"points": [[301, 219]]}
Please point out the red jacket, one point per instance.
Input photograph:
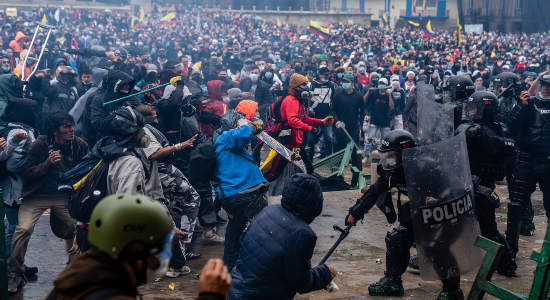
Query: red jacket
{"points": [[293, 114]]}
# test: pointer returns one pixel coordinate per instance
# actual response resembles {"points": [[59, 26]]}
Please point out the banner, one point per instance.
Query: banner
{"points": [[11, 12], [473, 28]]}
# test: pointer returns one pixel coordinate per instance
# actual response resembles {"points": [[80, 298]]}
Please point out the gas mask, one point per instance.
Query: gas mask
{"points": [[144, 142]]}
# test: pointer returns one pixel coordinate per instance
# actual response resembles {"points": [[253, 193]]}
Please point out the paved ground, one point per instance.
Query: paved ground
{"points": [[355, 259]]}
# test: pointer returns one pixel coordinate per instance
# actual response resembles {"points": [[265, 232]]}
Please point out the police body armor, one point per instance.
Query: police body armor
{"points": [[441, 198], [537, 134], [504, 109], [490, 150]]}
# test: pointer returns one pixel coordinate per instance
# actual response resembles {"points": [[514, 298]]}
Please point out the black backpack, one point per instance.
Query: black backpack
{"points": [[275, 122], [82, 201], [4, 172], [202, 162]]}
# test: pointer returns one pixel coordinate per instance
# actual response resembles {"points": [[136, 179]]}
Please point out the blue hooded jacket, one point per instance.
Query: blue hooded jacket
{"points": [[276, 249]]}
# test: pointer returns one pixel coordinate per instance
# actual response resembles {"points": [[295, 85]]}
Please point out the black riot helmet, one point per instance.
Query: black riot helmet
{"points": [[461, 87], [392, 145], [544, 84], [504, 80], [480, 105]]}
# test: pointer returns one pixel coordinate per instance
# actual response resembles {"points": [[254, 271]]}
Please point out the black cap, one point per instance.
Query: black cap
{"points": [[324, 70]]}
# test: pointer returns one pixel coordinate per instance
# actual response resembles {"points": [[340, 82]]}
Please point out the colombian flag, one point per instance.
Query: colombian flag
{"points": [[385, 20], [414, 6], [133, 22], [428, 32], [414, 24], [317, 28], [169, 18], [424, 6]]}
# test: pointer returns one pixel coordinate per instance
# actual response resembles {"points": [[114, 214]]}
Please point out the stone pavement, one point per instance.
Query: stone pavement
{"points": [[354, 260]]}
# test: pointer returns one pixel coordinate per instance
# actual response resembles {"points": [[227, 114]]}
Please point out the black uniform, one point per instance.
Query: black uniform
{"points": [[531, 123]]}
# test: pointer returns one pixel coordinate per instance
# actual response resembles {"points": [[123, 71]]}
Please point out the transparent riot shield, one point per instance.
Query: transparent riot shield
{"points": [[441, 198], [435, 121]]}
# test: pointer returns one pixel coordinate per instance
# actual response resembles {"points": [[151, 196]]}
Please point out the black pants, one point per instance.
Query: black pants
{"points": [[207, 212], [342, 142], [240, 209], [82, 240], [279, 164], [529, 171], [178, 257]]}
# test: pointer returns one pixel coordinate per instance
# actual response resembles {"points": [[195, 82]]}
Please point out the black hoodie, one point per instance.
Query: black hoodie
{"points": [[101, 116]]}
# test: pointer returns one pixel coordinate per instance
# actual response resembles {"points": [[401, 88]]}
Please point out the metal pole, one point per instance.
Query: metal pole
{"points": [[3, 259], [136, 94]]}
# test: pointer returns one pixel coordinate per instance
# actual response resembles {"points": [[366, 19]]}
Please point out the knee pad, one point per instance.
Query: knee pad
{"points": [[395, 239]]}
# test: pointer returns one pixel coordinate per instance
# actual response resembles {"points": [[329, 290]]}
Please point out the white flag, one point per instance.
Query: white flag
{"points": [[56, 15]]}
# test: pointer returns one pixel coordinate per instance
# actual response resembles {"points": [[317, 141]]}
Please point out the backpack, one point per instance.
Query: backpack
{"points": [[4, 172], [275, 123], [202, 162], [82, 201]]}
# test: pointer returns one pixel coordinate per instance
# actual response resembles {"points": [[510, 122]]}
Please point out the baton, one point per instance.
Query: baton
{"points": [[136, 94], [332, 287], [507, 89]]}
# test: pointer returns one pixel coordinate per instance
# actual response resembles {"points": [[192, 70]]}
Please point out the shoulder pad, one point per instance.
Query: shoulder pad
{"points": [[503, 127], [469, 128]]}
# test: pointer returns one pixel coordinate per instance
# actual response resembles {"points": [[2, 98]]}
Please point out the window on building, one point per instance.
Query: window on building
{"points": [[344, 5], [471, 4], [502, 8], [429, 3], [486, 4], [519, 4]]}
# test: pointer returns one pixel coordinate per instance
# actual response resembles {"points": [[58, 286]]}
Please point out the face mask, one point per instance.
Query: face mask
{"points": [[140, 43], [374, 82], [118, 43], [268, 74], [395, 85], [89, 83], [123, 92], [162, 55], [361, 70], [110, 43], [298, 69], [226, 99], [6, 69], [382, 87], [261, 69], [127, 44], [346, 86], [322, 66], [391, 163], [254, 77], [277, 57], [437, 97], [323, 80], [222, 78], [164, 260], [339, 75]]}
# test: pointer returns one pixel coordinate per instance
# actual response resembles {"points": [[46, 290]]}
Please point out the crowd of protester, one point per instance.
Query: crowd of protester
{"points": [[55, 121]]}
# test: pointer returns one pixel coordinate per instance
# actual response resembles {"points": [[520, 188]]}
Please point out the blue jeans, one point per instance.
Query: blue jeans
{"points": [[12, 216], [370, 136], [328, 138]]}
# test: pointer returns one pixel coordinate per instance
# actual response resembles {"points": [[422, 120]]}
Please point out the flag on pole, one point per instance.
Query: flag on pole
{"points": [[458, 28], [414, 6], [278, 22], [424, 6], [56, 15], [169, 18], [414, 24], [315, 27], [141, 14], [385, 20], [428, 32], [133, 22], [44, 19]]}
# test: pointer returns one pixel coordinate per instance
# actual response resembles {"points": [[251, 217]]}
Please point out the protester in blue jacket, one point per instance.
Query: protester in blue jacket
{"points": [[276, 248], [243, 189]]}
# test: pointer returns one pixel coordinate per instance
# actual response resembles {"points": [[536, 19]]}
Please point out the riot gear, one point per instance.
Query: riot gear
{"points": [[504, 80], [461, 88], [478, 104], [392, 146], [543, 90], [65, 74]]}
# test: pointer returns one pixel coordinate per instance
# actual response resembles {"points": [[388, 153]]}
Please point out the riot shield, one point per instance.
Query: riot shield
{"points": [[435, 121], [441, 198]]}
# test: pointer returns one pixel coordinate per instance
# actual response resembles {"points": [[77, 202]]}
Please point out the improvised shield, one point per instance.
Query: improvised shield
{"points": [[441, 198], [435, 121]]}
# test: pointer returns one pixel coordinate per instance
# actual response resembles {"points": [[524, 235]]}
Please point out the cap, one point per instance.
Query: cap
{"points": [[506, 67], [383, 80], [234, 92], [348, 77], [324, 70], [151, 68]]}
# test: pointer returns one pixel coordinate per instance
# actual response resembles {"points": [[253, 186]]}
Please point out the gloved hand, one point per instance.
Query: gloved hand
{"points": [[175, 80], [350, 220], [316, 131], [328, 120]]}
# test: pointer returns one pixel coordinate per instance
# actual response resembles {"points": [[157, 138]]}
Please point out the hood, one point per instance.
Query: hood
{"points": [[8, 89], [35, 82], [303, 197], [98, 75], [58, 60], [122, 132], [21, 110], [94, 42], [248, 108], [72, 283], [20, 35], [215, 89], [22, 56], [114, 81]]}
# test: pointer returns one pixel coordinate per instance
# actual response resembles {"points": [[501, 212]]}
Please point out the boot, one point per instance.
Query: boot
{"points": [[452, 295], [507, 264], [387, 286], [413, 262]]}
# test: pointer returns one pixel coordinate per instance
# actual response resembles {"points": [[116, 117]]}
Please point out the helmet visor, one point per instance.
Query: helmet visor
{"points": [[389, 160], [472, 110], [543, 90]]}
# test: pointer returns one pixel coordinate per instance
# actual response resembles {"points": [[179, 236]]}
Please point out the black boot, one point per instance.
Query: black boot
{"points": [[413, 262], [507, 263], [451, 290], [387, 286]]}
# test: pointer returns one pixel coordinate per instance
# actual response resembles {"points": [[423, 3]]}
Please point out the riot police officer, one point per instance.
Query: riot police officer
{"points": [[490, 151], [530, 119], [401, 239], [507, 100], [461, 88]]}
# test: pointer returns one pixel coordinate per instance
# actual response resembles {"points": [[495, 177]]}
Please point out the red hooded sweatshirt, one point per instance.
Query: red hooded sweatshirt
{"points": [[293, 114]]}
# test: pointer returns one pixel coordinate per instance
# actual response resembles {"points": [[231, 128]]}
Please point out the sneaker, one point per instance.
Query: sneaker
{"points": [[319, 156], [413, 262], [220, 219], [211, 238], [30, 271], [365, 159], [191, 255], [387, 287], [14, 281], [455, 295], [174, 272], [198, 228]]}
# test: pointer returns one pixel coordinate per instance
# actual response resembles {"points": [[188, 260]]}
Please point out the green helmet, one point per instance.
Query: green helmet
{"points": [[120, 219]]}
